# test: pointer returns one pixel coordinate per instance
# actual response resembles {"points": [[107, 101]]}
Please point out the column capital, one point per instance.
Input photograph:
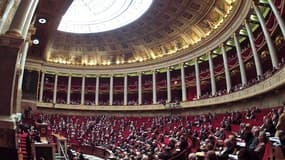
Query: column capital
{"points": [[254, 2], [32, 31], [244, 21], [13, 33], [234, 35], [11, 41], [22, 15]]}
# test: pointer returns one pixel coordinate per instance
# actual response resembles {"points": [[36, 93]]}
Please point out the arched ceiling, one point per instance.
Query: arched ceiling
{"points": [[168, 26]]}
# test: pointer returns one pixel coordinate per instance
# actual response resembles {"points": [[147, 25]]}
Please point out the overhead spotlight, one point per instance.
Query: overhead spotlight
{"points": [[36, 41], [42, 21]]}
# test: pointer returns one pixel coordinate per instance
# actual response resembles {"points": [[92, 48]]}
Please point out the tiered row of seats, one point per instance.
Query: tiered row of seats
{"points": [[162, 137], [22, 145]]}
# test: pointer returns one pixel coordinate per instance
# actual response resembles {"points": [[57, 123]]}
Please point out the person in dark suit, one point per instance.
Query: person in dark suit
{"points": [[28, 146], [81, 156], [280, 127], [228, 149]]}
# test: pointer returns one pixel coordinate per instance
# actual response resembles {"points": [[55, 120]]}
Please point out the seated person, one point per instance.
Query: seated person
{"points": [[211, 155], [192, 156], [282, 140], [244, 154], [269, 127], [228, 149], [260, 147], [220, 133]]}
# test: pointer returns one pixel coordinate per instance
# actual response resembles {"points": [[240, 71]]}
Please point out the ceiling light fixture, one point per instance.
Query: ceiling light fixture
{"points": [[36, 41], [42, 21]]}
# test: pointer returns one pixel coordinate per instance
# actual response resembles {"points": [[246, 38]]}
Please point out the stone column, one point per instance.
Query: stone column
{"points": [[20, 18], [97, 91], [227, 72], [20, 70], [68, 89], [254, 51], [168, 85], [183, 85], [42, 86], [278, 17], [55, 88], [126, 90], [197, 75], [240, 61], [83, 90], [111, 90], [22, 64], [268, 39], [10, 45], [29, 18], [140, 88], [7, 14], [9, 49], [23, 55], [154, 98], [212, 75]]}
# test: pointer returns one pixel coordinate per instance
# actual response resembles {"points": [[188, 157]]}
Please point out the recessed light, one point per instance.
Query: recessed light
{"points": [[42, 21], [36, 41]]}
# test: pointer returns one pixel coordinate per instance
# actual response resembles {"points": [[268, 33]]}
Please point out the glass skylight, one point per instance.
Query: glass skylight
{"points": [[93, 16]]}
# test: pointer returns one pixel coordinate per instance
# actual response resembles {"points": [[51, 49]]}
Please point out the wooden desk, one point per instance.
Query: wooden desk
{"points": [[42, 150]]}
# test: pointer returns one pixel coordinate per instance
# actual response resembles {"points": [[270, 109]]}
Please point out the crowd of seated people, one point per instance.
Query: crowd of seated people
{"points": [[146, 102], [240, 86], [165, 137], [75, 101], [132, 102], [118, 102], [104, 102], [89, 102], [47, 99], [61, 100]]}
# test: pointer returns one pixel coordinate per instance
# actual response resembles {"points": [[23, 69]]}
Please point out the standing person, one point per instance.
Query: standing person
{"points": [[280, 127], [28, 146]]}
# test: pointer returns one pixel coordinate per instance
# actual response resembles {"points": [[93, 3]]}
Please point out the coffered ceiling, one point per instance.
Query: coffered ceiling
{"points": [[166, 28]]}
